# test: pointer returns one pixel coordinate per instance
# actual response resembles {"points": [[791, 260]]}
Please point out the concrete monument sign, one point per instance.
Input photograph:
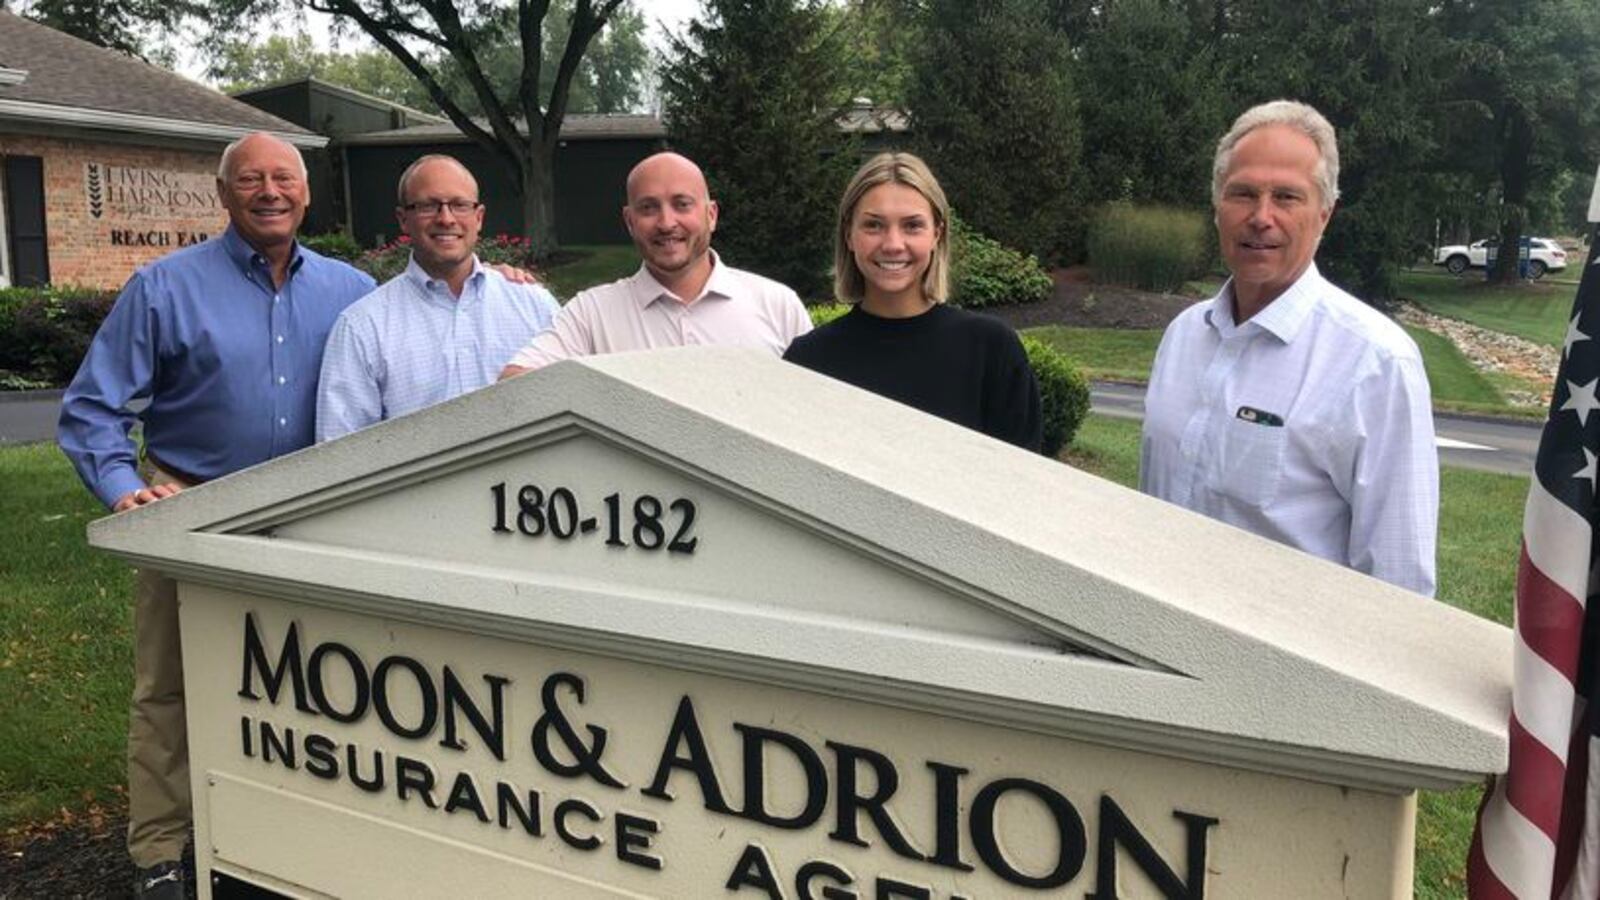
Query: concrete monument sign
{"points": [[697, 623]]}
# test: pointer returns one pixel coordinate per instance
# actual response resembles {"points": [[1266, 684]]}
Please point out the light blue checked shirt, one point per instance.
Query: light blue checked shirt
{"points": [[411, 344]]}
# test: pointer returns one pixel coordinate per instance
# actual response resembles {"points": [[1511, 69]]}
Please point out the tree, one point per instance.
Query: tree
{"points": [[994, 112], [520, 128], [1152, 106], [238, 65], [754, 94], [1527, 101], [127, 26]]}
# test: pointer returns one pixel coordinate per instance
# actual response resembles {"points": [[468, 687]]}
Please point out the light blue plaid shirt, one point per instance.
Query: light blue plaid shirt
{"points": [[411, 344]]}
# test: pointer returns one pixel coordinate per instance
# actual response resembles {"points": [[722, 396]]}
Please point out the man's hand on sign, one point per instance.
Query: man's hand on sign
{"points": [[145, 495], [514, 274]]}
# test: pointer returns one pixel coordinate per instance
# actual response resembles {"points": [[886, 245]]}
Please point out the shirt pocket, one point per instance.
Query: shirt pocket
{"points": [[1247, 463]]}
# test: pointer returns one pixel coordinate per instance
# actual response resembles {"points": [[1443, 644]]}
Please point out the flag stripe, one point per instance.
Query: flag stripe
{"points": [[1549, 620], [1557, 540], [1542, 700], [1520, 855], [1539, 787], [1485, 885], [1578, 849]]}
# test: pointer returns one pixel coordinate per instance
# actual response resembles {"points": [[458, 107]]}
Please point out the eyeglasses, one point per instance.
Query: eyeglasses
{"points": [[430, 208]]}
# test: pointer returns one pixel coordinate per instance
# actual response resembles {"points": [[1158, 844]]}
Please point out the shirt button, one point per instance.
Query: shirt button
{"points": [[282, 379], [276, 298], [280, 338], [283, 422]]}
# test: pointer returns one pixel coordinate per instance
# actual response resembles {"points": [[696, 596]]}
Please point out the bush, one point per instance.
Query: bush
{"points": [[985, 273], [44, 333], [1154, 248], [1063, 391], [334, 244], [823, 313], [390, 260], [1063, 394]]}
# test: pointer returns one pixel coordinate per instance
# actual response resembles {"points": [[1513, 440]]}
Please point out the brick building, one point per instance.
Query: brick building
{"points": [[106, 162]]}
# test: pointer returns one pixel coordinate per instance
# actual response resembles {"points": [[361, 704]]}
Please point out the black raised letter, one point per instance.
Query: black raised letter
{"points": [[414, 775], [1116, 828], [947, 816], [754, 870], [851, 802], [322, 760], [1069, 829], [358, 673], [633, 838], [380, 696], [809, 872], [493, 733], [255, 660], [686, 731], [755, 806], [566, 808]]}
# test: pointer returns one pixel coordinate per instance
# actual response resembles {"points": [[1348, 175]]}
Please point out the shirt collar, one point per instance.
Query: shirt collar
{"points": [[647, 290], [430, 286], [1283, 317], [248, 257]]}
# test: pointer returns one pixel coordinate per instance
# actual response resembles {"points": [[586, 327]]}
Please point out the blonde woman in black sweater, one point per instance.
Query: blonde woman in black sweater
{"points": [[892, 261]]}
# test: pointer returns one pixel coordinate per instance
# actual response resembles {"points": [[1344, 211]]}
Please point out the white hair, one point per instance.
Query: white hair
{"points": [[227, 155], [1301, 118]]}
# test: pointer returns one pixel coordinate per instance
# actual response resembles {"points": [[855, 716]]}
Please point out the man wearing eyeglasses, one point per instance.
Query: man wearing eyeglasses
{"points": [[224, 339], [438, 330]]}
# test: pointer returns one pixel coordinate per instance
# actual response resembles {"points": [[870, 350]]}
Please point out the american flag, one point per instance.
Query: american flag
{"points": [[1538, 832]]}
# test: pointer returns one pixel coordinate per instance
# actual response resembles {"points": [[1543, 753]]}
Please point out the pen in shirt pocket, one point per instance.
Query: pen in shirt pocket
{"points": [[1259, 416]]}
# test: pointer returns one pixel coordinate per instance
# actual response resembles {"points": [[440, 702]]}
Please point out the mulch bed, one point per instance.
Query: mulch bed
{"points": [[1078, 303], [75, 854], [84, 854]]}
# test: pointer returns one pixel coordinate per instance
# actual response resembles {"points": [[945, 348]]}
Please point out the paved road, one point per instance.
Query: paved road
{"points": [[1489, 445]]}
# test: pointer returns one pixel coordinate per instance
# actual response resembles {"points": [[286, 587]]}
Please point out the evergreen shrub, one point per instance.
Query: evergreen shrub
{"points": [[44, 332], [334, 244], [1063, 394], [1153, 248], [986, 273]]}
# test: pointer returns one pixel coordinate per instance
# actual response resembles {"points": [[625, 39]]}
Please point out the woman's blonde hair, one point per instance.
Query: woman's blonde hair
{"points": [[849, 285]]}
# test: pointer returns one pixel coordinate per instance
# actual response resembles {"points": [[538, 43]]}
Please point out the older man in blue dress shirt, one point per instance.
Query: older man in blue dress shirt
{"points": [[224, 339], [443, 327]]}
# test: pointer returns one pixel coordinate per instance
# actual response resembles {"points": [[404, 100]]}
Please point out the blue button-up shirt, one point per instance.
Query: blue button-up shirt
{"points": [[412, 343], [228, 361]]}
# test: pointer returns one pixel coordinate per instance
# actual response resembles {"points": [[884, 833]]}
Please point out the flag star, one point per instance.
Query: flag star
{"points": [[1573, 335], [1581, 400], [1589, 470]]}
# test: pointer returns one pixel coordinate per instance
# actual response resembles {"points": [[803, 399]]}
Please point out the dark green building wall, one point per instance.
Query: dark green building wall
{"points": [[590, 187]]}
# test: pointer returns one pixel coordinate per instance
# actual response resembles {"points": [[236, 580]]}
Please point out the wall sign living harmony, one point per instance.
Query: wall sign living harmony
{"points": [[136, 192]]}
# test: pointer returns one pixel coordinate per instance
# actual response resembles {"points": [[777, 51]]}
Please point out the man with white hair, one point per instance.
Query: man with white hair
{"points": [[224, 339], [1283, 405]]}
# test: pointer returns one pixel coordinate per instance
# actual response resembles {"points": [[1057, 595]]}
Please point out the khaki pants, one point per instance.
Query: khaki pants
{"points": [[159, 816]]}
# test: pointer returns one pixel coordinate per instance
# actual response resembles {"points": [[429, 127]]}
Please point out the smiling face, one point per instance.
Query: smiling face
{"points": [[892, 237], [264, 191], [441, 242], [670, 216], [1270, 214]]}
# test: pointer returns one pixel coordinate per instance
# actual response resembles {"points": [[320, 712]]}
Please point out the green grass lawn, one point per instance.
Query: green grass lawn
{"points": [[1113, 354], [1480, 528], [1537, 311], [1105, 354], [585, 266], [65, 658]]}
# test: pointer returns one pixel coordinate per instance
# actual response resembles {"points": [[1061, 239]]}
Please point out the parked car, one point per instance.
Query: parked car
{"points": [[1544, 255]]}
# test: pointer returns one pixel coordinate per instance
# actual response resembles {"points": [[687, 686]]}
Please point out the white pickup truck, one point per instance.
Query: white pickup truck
{"points": [[1544, 255]]}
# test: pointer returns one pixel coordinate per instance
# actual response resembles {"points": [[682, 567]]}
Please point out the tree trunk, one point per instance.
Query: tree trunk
{"points": [[539, 200], [1516, 163]]}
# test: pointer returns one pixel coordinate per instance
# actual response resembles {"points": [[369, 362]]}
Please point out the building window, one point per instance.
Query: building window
{"points": [[25, 260]]}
